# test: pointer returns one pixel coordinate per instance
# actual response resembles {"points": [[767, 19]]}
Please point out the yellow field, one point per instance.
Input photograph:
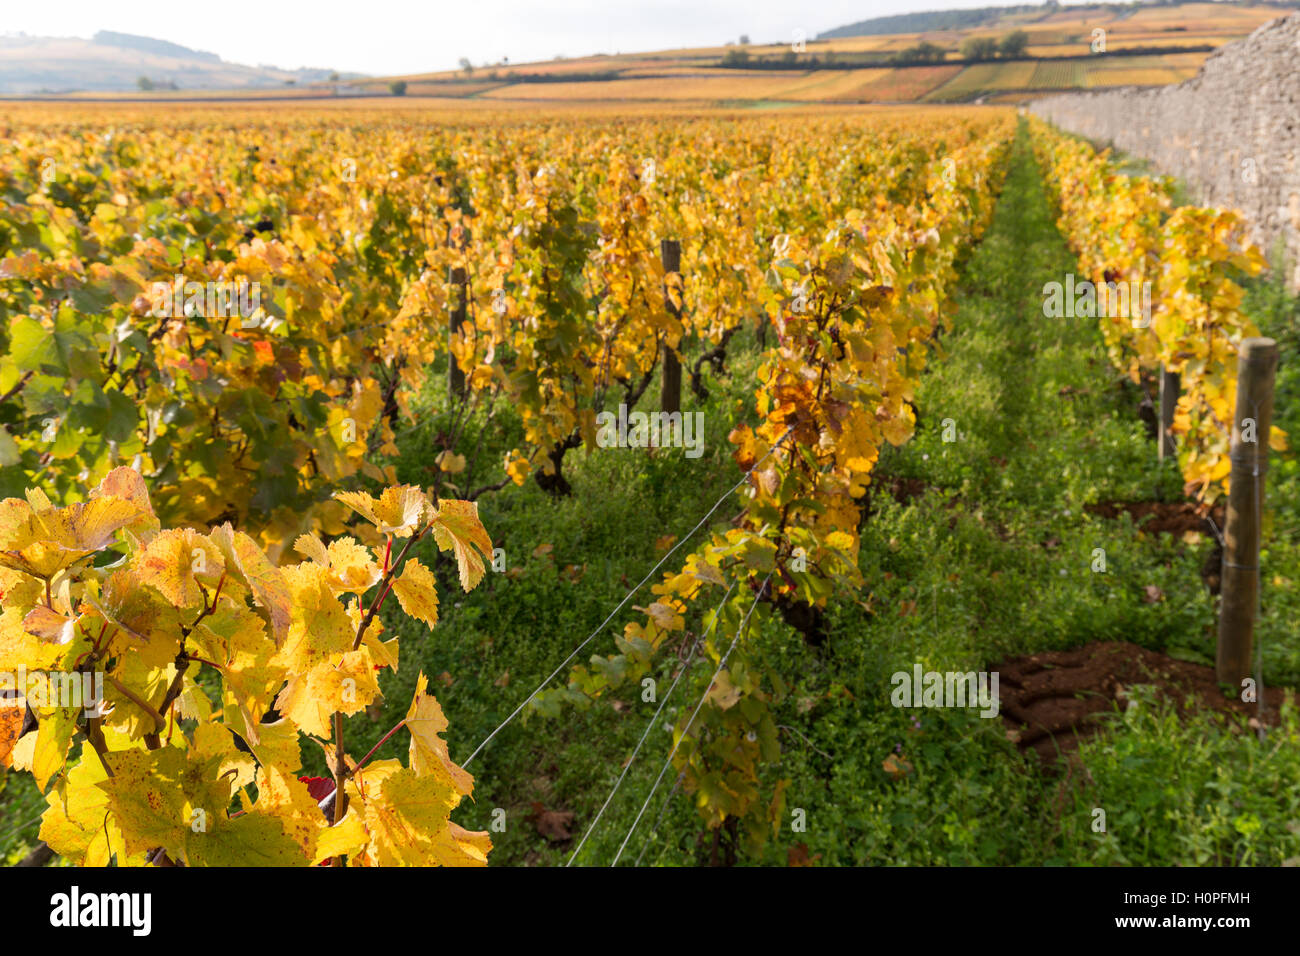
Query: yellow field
{"points": [[749, 86], [913, 83], [1138, 76], [839, 85]]}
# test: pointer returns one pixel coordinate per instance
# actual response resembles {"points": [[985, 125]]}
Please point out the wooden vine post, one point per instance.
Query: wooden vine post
{"points": [[1253, 417], [670, 254], [1170, 383], [456, 377]]}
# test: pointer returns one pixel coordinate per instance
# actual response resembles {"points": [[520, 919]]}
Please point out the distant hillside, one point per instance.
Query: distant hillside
{"points": [[939, 20], [130, 41], [928, 22], [119, 62]]}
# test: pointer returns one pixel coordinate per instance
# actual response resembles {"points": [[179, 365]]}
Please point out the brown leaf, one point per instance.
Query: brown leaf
{"points": [[12, 712], [1152, 594], [552, 824], [897, 766], [797, 855], [503, 680], [445, 679]]}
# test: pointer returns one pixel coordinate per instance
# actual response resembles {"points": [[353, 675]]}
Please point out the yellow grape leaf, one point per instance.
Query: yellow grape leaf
{"points": [[398, 511], [49, 625], [128, 484], [286, 798], [456, 526], [450, 462], [77, 824], [429, 754], [417, 592], [460, 847], [266, 581], [348, 837], [665, 616], [145, 621], [319, 624], [352, 569], [38, 501], [153, 795], [53, 739], [724, 694], [699, 567], [212, 739], [309, 700], [310, 546], [518, 469], [43, 544], [24, 753], [179, 563], [235, 639], [21, 649], [384, 652], [409, 825], [275, 744], [88, 527], [898, 429], [252, 839]]}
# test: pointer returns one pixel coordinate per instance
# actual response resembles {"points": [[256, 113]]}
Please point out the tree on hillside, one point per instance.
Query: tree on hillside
{"points": [[397, 87], [921, 53], [144, 83], [1014, 44], [467, 66], [736, 58], [979, 48], [744, 39]]}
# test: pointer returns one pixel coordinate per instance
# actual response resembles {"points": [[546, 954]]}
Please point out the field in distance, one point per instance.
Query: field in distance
{"points": [[1143, 46], [861, 69]]}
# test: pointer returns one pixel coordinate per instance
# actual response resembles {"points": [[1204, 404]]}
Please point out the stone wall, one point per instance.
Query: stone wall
{"points": [[1232, 132]]}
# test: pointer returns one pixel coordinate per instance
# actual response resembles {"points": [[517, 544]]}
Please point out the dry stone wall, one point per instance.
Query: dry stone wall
{"points": [[1232, 132]]}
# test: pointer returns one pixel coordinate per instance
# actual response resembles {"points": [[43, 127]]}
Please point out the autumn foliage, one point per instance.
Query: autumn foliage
{"points": [[217, 666], [1124, 228]]}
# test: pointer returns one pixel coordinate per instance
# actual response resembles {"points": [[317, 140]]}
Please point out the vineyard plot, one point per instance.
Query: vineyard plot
{"points": [[408, 559]]}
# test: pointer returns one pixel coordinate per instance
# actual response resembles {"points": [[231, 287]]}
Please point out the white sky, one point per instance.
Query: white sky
{"points": [[387, 37]]}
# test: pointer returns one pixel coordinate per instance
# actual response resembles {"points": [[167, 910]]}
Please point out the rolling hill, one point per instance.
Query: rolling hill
{"points": [[117, 61]]}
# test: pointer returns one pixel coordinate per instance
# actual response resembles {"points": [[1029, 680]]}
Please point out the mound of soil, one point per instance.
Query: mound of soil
{"points": [[904, 490], [1050, 699], [1169, 517]]}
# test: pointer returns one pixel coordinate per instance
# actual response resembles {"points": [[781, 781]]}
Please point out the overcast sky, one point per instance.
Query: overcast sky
{"points": [[412, 36]]}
